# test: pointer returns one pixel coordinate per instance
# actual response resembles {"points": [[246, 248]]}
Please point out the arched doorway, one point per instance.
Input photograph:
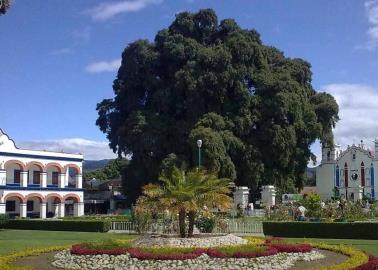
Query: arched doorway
{"points": [[54, 173], [14, 170], [71, 201], [35, 206], [15, 205], [54, 203]]}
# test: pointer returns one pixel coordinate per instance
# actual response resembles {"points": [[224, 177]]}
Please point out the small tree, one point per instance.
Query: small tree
{"points": [[186, 194]]}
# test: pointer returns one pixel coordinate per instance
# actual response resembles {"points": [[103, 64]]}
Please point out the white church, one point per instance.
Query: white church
{"points": [[39, 184], [351, 173]]}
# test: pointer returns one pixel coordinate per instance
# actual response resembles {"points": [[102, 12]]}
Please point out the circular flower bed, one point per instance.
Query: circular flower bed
{"points": [[255, 253]]}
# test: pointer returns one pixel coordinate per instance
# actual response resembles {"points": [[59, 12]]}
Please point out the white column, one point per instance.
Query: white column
{"points": [[42, 210], [79, 180], [62, 180], [67, 176], [43, 179], [2, 208], [61, 208], [22, 209], [79, 209], [3, 177], [24, 178]]}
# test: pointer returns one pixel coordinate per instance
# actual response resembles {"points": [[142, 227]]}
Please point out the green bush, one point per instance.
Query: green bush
{"points": [[59, 225], [338, 230], [100, 218], [205, 224], [3, 219]]}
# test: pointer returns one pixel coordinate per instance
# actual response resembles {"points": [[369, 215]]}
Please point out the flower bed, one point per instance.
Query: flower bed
{"points": [[250, 250], [372, 264]]}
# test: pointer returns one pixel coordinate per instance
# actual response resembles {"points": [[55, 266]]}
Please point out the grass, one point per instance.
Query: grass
{"points": [[369, 246], [16, 240]]}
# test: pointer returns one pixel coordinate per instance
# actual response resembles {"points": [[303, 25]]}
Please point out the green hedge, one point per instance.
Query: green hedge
{"points": [[58, 225], [100, 218], [337, 230]]}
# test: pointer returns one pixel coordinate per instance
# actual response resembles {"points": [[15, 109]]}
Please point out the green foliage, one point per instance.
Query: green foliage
{"points": [[254, 109], [4, 6], [342, 230], [281, 212], [206, 223], [112, 170], [100, 218], [185, 194], [59, 225], [3, 219], [312, 204]]}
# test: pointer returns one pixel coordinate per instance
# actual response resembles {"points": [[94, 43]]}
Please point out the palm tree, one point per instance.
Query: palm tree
{"points": [[186, 194], [4, 5]]}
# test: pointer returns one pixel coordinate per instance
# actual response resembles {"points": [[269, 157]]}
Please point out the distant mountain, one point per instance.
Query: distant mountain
{"points": [[92, 165]]}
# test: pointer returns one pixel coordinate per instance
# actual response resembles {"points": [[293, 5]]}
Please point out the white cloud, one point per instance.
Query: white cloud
{"points": [[106, 10], [371, 7], [92, 150], [358, 112], [104, 66]]}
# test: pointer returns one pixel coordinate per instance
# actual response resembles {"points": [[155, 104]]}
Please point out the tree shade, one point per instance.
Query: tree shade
{"points": [[254, 109]]}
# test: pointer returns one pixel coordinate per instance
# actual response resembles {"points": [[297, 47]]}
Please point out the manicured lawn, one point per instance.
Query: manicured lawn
{"points": [[369, 246], [14, 240]]}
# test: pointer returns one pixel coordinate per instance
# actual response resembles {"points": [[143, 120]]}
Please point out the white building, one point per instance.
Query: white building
{"points": [[39, 183], [350, 173]]}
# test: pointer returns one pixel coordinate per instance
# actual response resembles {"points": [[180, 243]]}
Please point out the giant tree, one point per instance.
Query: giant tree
{"points": [[4, 6], [254, 109]]}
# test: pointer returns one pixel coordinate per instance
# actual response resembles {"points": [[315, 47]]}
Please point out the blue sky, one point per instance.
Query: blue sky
{"points": [[59, 58]]}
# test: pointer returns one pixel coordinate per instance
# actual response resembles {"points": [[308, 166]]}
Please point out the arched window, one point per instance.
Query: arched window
{"points": [[362, 174], [346, 175], [337, 176]]}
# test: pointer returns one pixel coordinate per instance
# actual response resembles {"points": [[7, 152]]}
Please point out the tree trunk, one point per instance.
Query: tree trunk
{"points": [[191, 216], [182, 215]]}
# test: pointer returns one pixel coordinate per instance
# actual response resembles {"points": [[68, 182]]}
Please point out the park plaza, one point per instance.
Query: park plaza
{"points": [[39, 184]]}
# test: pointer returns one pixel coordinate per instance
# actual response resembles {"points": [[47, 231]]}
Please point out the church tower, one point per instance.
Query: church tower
{"points": [[326, 171]]}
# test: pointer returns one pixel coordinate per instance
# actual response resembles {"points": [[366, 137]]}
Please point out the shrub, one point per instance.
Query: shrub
{"points": [[205, 224], [100, 217], [344, 230], [59, 225], [3, 219]]}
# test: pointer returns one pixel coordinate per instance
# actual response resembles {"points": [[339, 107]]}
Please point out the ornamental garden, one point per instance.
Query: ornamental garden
{"points": [[200, 111]]}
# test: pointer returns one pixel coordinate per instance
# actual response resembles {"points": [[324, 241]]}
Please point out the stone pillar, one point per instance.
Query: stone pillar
{"points": [[61, 209], [43, 179], [42, 210], [67, 178], [24, 178], [2, 208], [79, 180], [3, 177], [62, 180], [241, 195], [268, 196], [23, 209], [79, 209]]}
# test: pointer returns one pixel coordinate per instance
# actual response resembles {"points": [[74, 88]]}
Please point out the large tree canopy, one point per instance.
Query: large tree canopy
{"points": [[254, 109]]}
